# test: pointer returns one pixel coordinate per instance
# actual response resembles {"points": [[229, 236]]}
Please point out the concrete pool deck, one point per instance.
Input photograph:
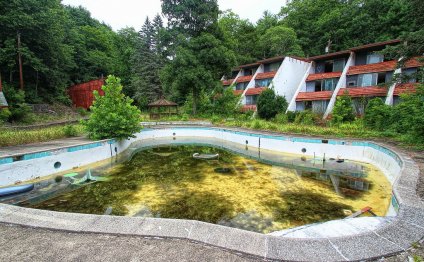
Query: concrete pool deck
{"points": [[394, 237]]}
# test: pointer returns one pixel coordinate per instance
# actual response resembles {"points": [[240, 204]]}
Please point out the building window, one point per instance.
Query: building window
{"points": [[308, 105], [351, 83], [263, 82], [318, 86], [242, 86], [371, 79], [334, 65], [319, 107], [326, 84], [272, 67], [367, 80], [412, 75], [374, 58], [251, 100], [249, 72], [338, 65], [330, 84]]}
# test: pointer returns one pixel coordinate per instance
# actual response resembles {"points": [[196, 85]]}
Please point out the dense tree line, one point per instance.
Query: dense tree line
{"points": [[60, 45], [184, 59]]}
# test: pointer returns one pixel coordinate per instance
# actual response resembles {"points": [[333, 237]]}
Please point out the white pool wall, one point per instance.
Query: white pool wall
{"points": [[40, 164]]}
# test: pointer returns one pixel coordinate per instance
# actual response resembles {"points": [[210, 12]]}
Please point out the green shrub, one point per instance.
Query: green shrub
{"points": [[291, 116], [18, 108], [257, 124], [185, 117], [215, 119], [408, 116], [224, 103], [378, 115], [82, 112], [281, 118], [113, 115], [343, 110], [246, 116], [4, 115], [306, 117], [269, 104], [70, 131]]}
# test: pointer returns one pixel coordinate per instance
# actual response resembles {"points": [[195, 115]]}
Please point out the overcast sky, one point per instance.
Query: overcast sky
{"points": [[122, 13]]}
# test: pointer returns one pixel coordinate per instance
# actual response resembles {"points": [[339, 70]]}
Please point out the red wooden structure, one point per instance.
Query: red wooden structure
{"points": [[82, 94]]}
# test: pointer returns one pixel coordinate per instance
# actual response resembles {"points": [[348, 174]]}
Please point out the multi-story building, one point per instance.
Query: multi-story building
{"points": [[283, 74], [315, 83]]}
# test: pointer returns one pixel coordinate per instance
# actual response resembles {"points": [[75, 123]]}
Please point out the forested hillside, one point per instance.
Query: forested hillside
{"points": [[184, 51]]}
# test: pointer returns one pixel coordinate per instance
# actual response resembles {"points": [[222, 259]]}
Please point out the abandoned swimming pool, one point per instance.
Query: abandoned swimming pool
{"points": [[261, 195], [397, 171]]}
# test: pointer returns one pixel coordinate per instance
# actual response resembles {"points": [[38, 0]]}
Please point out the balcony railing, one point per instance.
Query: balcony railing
{"points": [[321, 76]]}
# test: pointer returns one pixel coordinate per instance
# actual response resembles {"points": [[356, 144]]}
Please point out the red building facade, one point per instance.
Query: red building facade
{"points": [[82, 94]]}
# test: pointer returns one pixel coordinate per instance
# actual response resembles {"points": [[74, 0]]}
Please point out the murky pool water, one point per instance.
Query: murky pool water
{"points": [[234, 190]]}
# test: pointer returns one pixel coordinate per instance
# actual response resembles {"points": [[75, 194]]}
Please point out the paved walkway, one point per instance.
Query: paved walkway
{"points": [[29, 244], [43, 146]]}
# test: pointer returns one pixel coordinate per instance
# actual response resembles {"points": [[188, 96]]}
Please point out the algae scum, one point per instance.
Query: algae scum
{"points": [[233, 190]]}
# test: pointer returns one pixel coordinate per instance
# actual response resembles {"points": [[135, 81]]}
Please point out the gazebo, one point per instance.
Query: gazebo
{"points": [[3, 102], [162, 107]]}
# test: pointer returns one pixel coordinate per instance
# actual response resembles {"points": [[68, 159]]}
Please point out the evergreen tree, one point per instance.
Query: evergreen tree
{"points": [[190, 17], [196, 68], [147, 63]]}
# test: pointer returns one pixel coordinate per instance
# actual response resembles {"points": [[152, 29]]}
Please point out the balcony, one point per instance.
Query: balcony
{"points": [[255, 91], [373, 91], [405, 88], [314, 96], [413, 62], [248, 108], [372, 68], [227, 82], [243, 79], [238, 92], [266, 75], [321, 76]]}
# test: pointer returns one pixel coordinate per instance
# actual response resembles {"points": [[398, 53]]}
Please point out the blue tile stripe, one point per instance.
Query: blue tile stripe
{"points": [[9, 160], [36, 155], [395, 203], [85, 147], [6, 160]]}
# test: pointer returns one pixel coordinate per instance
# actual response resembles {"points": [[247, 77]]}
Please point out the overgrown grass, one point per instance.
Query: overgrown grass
{"points": [[20, 137], [349, 130], [344, 130]]}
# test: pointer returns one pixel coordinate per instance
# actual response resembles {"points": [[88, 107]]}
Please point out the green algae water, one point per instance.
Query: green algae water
{"points": [[233, 190]]}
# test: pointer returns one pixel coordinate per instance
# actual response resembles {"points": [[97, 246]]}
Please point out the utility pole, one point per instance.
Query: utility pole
{"points": [[21, 76]]}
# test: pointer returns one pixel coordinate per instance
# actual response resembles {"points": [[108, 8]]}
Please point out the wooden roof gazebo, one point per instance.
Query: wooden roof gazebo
{"points": [[162, 107], [3, 102]]}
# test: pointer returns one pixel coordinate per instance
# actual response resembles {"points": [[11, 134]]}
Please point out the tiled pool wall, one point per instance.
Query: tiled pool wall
{"points": [[39, 164]]}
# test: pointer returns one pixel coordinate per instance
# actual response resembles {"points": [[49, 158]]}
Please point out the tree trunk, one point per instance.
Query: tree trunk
{"points": [[36, 85], [195, 101]]}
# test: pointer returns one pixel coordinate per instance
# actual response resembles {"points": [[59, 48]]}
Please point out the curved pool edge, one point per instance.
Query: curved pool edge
{"points": [[403, 230]]}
